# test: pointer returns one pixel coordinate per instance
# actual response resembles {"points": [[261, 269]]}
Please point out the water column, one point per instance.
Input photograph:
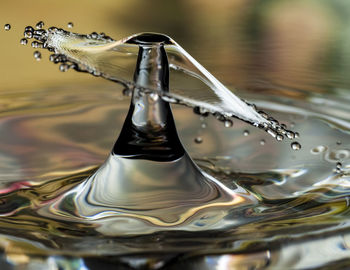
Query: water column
{"points": [[149, 183]]}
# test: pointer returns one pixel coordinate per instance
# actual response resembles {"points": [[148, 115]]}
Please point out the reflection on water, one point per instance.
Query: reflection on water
{"points": [[292, 57]]}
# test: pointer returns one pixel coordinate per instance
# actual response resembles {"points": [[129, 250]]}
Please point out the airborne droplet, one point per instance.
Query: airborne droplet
{"points": [[28, 34], [228, 123], [246, 132], [198, 140], [24, 41], [64, 67], [39, 25], [70, 25], [7, 27], [295, 146], [279, 137], [37, 55]]}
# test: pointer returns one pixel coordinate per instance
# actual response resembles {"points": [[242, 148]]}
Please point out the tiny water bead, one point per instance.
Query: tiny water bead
{"points": [[7, 27], [28, 34], [279, 137], [198, 140], [262, 142], [70, 25], [64, 67], [37, 55], [246, 132], [24, 41], [39, 25], [228, 123], [295, 146]]}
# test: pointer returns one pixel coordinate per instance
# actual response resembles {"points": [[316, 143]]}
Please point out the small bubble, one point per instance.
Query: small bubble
{"points": [[338, 142], [295, 146], [262, 142], [37, 55], [279, 137], [246, 132], [339, 165], [64, 67], [296, 134], [198, 140], [203, 125], [70, 25], [228, 123], [7, 27], [39, 25], [24, 41], [318, 149]]}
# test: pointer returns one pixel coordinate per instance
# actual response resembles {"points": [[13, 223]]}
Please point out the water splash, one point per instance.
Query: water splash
{"points": [[297, 201], [191, 84]]}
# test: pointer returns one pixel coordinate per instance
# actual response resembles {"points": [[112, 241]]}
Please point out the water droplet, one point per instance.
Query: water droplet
{"points": [[35, 44], [198, 140], [262, 142], [24, 41], [296, 134], [272, 132], [28, 34], [64, 67], [29, 28], [290, 134], [39, 25], [154, 97], [279, 137], [338, 142], [37, 55], [228, 123], [295, 146], [94, 35], [318, 149], [203, 125], [70, 25], [7, 27], [246, 132]]}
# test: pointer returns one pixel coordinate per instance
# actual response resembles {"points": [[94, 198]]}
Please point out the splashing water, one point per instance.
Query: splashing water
{"points": [[100, 55], [270, 208]]}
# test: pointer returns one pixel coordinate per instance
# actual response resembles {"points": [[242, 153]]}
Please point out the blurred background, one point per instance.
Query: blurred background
{"points": [[250, 44]]}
